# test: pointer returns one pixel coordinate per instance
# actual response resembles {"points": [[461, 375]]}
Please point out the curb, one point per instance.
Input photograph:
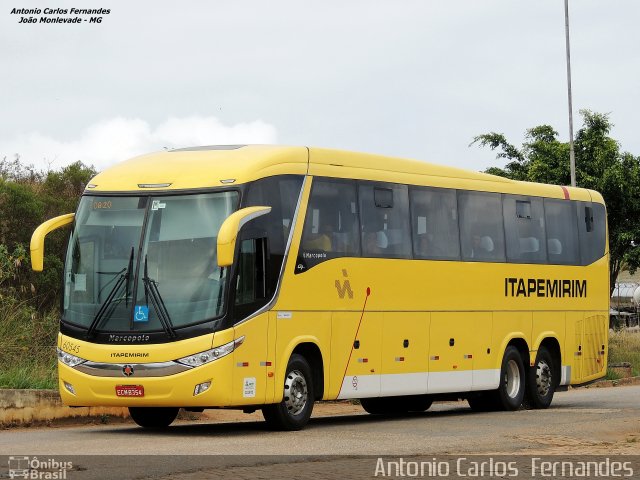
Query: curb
{"points": [[20, 407]]}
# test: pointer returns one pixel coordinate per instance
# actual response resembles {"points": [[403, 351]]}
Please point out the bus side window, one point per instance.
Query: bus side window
{"points": [[331, 224], [524, 228], [385, 220], [562, 233], [434, 222], [481, 226], [591, 230]]}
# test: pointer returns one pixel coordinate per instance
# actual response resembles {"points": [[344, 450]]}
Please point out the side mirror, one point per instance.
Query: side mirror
{"points": [[37, 239], [229, 232]]}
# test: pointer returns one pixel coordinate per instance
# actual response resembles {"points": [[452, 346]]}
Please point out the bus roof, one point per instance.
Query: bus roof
{"points": [[220, 165]]}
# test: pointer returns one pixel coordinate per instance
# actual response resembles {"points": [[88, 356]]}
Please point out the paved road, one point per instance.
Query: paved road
{"points": [[583, 421]]}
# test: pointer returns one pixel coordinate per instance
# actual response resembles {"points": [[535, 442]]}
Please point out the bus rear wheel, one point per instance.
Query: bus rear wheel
{"points": [[294, 411], [153, 417], [541, 384], [510, 393]]}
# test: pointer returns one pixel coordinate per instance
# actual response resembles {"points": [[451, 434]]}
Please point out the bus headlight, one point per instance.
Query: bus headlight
{"points": [[207, 356], [68, 359]]}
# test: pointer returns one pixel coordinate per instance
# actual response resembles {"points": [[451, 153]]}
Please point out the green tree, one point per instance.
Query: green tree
{"points": [[600, 165], [27, 198]]}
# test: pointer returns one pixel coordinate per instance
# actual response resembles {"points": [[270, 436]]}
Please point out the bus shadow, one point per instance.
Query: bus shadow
{"points": [[243, 428]]}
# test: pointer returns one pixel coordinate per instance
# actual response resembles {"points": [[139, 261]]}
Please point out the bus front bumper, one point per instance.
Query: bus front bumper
{"points": [[204, 386]]}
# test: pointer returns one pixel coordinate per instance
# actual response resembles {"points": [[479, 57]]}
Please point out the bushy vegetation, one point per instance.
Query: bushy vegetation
{"points": [[29, 301]]}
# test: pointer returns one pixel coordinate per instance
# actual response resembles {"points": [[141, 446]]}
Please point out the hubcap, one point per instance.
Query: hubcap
{"points": [[512, 379], [543, 378], [295, 392]]}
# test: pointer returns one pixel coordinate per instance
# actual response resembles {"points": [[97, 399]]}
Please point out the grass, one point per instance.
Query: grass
{"points": [[27, 345], [624, 346]]}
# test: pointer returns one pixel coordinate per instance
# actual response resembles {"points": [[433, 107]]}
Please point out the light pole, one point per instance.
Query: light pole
{"points": [[572, 156]]}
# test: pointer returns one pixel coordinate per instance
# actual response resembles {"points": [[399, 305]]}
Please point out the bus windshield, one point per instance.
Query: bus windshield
{"points": [[142, 264]]}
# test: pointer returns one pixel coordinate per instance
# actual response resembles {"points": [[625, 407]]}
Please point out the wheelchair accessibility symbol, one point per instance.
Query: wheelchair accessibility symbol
{"points": [[141, 314]]}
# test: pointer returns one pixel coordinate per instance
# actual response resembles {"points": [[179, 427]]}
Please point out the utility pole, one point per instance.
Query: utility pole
{"points": [[572, 156]]}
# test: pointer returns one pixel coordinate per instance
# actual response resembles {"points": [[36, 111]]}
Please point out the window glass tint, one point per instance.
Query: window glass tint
{"points": [[331, 224], [481, 229], [524, 228], [592, 231], [434, 222], [281, 194], [385, 220], [562, 235]]}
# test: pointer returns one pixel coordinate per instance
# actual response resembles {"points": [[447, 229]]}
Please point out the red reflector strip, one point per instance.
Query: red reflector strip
{"points": [[265, 364], [243, 364], [435, 357], [399, 359], [363, 360], [468, 356]]}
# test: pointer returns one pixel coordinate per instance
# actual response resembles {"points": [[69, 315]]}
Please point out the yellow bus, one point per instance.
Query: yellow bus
{"points": [[267, 277]]}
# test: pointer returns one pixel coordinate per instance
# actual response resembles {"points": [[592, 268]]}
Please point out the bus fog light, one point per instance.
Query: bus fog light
{"points": [[201, 387], [69, 388]]}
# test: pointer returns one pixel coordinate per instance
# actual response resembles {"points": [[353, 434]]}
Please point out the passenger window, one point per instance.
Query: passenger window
{"points": [[385, 220], [562, 235], [524, 228], [331, 225], [434, 221], [481, 228], [592, 231]]}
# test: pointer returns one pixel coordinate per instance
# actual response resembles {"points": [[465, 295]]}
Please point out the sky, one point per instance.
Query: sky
{"points": [[408, 78]]}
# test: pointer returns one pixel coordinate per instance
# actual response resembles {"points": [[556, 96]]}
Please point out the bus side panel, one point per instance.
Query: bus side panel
{"points": [[356, 359], [271, 356], [506, 327], [294, 328], [452, 344], [573, 345], [249, 370], [405, 350], [485, 375], [594, 345], [546, 325]]}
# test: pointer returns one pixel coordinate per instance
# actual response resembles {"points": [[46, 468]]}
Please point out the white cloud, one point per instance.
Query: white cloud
{"points": [[116, 139]]}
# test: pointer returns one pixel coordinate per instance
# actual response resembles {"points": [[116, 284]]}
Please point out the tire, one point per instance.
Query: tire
{"points": [[294, 411], [153, 417], [541, 384], [510, 393]]}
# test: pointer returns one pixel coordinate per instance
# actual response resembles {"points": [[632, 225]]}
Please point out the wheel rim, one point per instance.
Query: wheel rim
{"points": [[295, 392], [543, 378], [512, 379]]}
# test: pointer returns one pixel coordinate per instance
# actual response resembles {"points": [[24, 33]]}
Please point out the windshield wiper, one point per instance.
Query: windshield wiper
{"points": [[151, 291], [125, 275]]}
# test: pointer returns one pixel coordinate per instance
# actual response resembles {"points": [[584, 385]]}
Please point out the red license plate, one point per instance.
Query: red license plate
{"points": [[129, 391]]}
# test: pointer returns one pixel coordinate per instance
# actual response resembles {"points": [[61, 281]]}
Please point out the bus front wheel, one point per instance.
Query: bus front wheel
{"points": [[294, 411], [541, 385], [512, 380], [153, 417]]}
